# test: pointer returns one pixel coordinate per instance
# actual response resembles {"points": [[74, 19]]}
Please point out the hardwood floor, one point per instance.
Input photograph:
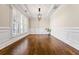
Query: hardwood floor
{"points": [[41, 44]]}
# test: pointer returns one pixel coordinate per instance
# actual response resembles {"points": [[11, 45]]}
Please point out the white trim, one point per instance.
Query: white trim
{"points": [[4, 28], [38, 31], [4, 34], [69, 35], [10, 41], [5, 37], [19, 8]]}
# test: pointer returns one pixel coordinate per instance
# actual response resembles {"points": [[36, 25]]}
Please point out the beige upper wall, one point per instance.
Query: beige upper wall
{"points": [[4, 15], [66, 16]]}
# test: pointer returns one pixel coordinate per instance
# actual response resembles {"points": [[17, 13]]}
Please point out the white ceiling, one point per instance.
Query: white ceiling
{"points": [[32, 9], [45, 9]]}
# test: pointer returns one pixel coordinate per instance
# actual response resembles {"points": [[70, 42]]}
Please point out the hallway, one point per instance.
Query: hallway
{"points": [[40, 44], [24, 29]]}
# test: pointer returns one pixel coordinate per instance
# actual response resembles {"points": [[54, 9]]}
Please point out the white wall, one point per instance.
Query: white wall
{"points": [[38, 27], [65, 24]]}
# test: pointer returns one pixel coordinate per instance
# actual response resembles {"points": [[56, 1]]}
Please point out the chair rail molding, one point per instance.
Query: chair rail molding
{"points": [[4, 34], [69, 35]]}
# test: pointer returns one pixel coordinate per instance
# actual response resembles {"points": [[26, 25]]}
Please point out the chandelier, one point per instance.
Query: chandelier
{"points": [[39, 14]]}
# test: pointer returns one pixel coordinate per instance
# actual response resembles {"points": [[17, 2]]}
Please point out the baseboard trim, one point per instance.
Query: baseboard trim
{"points": [[12, 40], [69, 35], [65, 43]]}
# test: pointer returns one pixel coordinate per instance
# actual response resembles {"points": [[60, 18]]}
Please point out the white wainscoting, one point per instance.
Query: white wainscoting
{"points": [[38, 31], [12, 40], [69, 35], [4, 34], [6, 39]]}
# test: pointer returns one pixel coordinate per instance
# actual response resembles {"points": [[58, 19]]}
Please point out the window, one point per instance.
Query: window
{"points": [[19, 23]]}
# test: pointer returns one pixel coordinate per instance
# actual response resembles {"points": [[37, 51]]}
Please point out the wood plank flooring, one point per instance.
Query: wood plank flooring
{"points": [[40, 44]]}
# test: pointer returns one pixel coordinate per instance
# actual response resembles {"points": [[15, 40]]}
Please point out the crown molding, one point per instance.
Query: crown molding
{"points": [[53, 9], [21, 8]]}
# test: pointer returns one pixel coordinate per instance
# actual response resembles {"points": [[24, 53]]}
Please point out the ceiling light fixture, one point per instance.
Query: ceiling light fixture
{"points": [[39, 14]]}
